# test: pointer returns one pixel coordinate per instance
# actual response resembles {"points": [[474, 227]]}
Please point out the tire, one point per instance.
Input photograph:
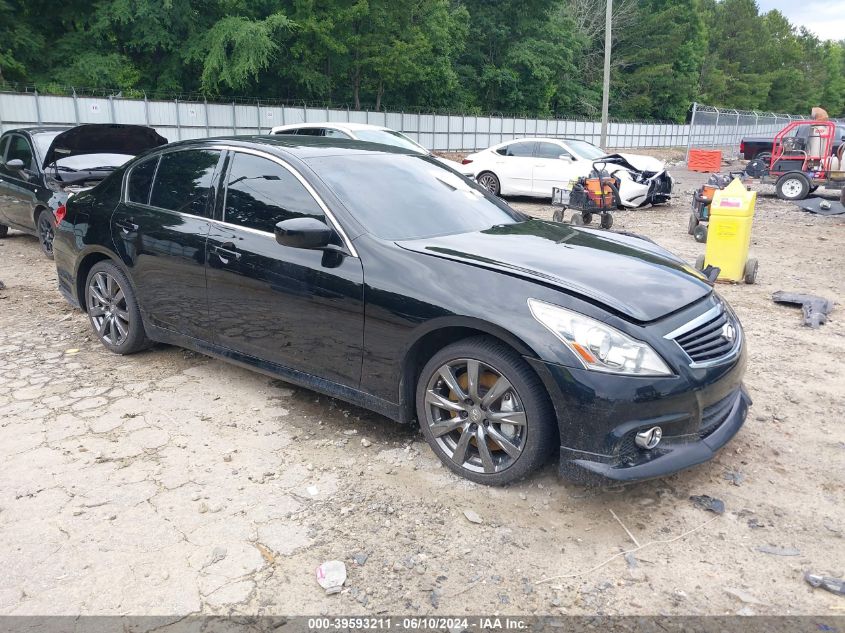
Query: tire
{"points": [[490, 182], [45, 229], [750, 273], [700, 233], [557, 216], [587, 217], [4, 230], [530, 434], [606, 220], [766, 156], [577, 219], [113, 310], [699, 262], [693, 222], [792, 186]]}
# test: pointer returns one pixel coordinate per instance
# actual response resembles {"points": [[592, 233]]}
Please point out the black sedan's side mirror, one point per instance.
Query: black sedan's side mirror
{"points": [[303, 233], [16, 164]]}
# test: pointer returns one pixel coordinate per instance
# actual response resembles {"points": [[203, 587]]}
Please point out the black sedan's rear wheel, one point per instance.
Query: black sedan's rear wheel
{"points": [[484, 412], [113, 309], [46, 228], [4, 230]]}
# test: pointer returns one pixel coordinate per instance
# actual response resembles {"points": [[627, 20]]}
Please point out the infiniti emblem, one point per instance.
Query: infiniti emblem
{"points": [[728, 331]]}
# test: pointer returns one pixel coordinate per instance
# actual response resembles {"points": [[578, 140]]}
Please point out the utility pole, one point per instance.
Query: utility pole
{"points": [[605, 97]]}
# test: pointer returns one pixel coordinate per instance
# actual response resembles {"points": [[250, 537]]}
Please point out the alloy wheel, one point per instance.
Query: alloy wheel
{"points": [[107, 308], [476, 416], [45, 232], [489, 182]]}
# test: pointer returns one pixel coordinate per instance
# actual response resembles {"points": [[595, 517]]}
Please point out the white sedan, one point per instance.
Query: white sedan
{"points": [[533, 166]]}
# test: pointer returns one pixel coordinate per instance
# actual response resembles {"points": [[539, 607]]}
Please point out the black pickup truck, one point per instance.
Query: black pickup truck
{"points": [[751, 147]]}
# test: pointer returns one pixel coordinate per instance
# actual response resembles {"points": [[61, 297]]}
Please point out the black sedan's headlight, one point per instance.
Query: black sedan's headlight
{"points": [[597, 345]]}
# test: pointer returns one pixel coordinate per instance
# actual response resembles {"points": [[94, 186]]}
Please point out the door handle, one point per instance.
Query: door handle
{"points": [[225, 254], [126, 226]]}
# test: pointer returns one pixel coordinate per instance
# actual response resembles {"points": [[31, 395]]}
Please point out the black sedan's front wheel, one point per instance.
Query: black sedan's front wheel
{"points": [[484, 412], [113, 309], [46, 228]]}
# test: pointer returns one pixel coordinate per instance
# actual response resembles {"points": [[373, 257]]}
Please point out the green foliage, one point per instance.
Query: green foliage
{"points": [[528, 57]]}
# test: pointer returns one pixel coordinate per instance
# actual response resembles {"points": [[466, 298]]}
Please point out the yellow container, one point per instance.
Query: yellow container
{"points": [[729, 233]]}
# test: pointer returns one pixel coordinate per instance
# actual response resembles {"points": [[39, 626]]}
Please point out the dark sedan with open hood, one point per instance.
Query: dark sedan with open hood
{"points": [[41, 167], [389, 280]]}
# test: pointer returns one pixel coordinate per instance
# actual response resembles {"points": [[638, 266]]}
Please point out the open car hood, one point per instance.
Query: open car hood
{"points": [[629, 275], [103, 138]]}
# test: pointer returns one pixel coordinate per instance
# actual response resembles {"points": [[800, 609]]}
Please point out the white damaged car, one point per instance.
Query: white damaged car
{"points": [[533, 166]]}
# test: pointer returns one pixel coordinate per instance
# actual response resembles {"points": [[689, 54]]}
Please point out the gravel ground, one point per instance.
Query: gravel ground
{"points": [[170, 483]]}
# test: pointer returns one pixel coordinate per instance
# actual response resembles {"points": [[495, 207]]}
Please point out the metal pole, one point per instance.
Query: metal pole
{"points": [[37, 109], [207, 127], [178, 123], [691, 128], [605, 98], [75, 105], [111, 109], [258, 104], [146, 110], [234, 120]]}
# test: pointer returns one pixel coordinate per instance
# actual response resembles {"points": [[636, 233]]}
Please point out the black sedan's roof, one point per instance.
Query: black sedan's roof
{"points": [[304, 147]]}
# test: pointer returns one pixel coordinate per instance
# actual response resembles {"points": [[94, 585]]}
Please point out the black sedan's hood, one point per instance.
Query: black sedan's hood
{"points": [[627, 274], [103, 138]]}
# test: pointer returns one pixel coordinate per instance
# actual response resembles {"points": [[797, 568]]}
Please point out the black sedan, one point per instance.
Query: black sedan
{"points": [[41, 167], [386, 279]]}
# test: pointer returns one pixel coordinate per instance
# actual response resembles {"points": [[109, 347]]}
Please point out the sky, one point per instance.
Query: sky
{"points": [[825, 18]]}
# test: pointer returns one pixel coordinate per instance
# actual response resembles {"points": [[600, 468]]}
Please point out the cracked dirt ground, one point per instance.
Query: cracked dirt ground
{"points": [[168, 483]]}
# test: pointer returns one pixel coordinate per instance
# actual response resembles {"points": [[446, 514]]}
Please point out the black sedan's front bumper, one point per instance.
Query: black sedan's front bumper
{"points": [[599, 416]]}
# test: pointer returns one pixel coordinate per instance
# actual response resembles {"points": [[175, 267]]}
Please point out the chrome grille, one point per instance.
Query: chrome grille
{"points": [[709, 338]]}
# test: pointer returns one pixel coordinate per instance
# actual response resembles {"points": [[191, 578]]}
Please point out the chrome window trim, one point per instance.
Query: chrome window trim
{"points": [[701, 319], [284, 164], [262, 154]]}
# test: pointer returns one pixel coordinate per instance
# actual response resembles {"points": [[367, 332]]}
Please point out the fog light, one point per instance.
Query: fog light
{"points": [[650, 438]]}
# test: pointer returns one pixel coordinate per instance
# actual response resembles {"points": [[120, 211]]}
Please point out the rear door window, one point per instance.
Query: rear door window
{"points": [[260, 193], [183, 181], [517, 149], [141, 180], [311, 131]]}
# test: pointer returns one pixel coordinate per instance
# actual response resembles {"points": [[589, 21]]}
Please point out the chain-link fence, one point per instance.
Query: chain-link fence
{"points": [[722, 128], [191, 116]]}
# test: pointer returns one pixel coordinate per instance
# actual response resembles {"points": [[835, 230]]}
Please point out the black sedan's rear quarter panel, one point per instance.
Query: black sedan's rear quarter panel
{"points": [[84, 235]]}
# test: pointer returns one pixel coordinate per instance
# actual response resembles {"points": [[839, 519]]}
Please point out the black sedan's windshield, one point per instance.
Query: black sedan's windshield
{"points": [[401, 197]]}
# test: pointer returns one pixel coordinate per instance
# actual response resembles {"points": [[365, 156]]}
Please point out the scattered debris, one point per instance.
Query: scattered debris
{"points": [[815, 308], [821, 206], [71, 352], [706, 502], [833, 585], [473, 517], [266, 553], [736, 478], [434, 598], [779, 551], [2, 286], [365, 442], [312, 490], [742, 596], [217, 554], [331, 575], [360, 558]]}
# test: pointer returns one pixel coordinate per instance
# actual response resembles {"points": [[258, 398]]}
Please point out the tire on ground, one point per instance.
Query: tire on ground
{"points": [[136, 339], [542, 438]]}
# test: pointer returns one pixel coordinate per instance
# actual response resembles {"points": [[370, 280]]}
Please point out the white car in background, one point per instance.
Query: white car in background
{"points": [[533, 166], [359, 132]]}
